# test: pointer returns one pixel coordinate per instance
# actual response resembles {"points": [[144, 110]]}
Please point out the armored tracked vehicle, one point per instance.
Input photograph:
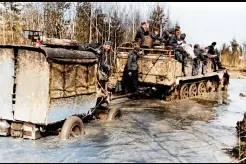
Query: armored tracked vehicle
{"points": [[159, 74]]}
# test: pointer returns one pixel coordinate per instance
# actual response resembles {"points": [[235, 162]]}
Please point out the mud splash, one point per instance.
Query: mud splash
{"points": [[149, 131]]}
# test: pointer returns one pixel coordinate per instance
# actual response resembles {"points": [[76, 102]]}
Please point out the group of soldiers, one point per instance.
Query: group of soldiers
{"points": [[171, 39], [174, 39]]}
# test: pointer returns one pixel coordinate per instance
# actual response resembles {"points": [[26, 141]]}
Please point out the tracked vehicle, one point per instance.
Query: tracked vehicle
{"points": [[159, 74]]}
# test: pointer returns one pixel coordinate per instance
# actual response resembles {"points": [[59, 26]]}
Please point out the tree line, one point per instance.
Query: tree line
{"points": [[82, 21], [91, 22]]}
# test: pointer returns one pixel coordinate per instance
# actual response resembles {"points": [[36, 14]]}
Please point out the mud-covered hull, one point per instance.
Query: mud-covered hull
{"points": [[159, 69], [42, 87]]}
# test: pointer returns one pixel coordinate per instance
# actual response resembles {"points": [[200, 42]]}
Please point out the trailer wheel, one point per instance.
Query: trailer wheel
{"points": [[113, 114], [193, 90], [184, 91], [72, 128], [202, 88]]}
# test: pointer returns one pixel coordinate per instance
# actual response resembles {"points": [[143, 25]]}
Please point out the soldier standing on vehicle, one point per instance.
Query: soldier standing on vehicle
{"points": [[132, 70], [197, 61], [141, 32], [214, 56]]}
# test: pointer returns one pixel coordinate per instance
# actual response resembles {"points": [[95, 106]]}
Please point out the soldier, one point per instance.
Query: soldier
{"points": [[211, 49], [141, 32], [132, 70], [157, 40], [212, 55], [166, 36], [197, 61], [226, 78], [102, 52], [180, 53], [177, 31], [181, 40]]}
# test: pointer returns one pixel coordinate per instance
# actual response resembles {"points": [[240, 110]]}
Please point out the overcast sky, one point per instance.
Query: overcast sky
{"points": [[205, 22]]}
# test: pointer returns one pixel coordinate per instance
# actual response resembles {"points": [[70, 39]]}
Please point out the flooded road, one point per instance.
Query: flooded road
{"points": [[148, 131]]}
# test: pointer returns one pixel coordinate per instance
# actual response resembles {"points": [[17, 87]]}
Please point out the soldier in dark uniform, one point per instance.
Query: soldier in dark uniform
{"points": [[165, 37], [180, 53], [157, 39], [102, 52], [141, 32], [132, 70], [211, 48], [226, 79], [212, 55], [182, 38], [197, 61]]}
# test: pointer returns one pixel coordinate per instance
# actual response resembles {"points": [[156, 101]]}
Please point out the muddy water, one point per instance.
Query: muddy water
{"points": [[149, 131]]}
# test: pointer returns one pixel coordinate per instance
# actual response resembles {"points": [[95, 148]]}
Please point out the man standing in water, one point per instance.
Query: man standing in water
{"points": [[132, 71]]}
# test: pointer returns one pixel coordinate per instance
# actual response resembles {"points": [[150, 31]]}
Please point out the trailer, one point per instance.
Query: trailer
{"points": [[46, 89]]}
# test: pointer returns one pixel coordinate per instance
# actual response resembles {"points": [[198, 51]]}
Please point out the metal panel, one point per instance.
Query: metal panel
{"points": [[32, 89], [6, 83], [62, 108]]}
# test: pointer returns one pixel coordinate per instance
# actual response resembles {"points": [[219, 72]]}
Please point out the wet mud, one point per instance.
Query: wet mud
{"points": [[195, 130]]}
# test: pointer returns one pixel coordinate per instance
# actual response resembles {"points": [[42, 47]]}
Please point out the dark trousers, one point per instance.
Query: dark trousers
{"points": [[195, 67], [132, 82]]}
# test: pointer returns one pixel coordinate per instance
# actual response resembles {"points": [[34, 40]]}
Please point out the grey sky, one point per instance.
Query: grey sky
{"points": [[205, 22]]}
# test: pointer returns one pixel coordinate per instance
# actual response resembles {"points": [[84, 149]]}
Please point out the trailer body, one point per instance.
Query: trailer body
{"points": [[44, 86]]}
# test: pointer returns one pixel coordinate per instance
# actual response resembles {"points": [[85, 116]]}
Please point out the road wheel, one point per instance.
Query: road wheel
{"points": [[202, 88], [114, 113], [72, 128], [184, 91], [193, 90]]}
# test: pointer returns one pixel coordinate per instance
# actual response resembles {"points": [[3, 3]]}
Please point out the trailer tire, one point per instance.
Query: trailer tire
{"points": [[113, 114], [73, 127]]}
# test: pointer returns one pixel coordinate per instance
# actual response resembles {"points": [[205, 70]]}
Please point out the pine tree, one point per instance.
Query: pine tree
{"points": [[157, 19], [11, 19], [82, 27], [54, 20]]}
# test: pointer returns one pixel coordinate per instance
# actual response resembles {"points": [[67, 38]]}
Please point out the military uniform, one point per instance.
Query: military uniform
{"points": [[132, 70], [100, 53], [140, 35], [198, 60], [213, 55], [157, 40]]}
